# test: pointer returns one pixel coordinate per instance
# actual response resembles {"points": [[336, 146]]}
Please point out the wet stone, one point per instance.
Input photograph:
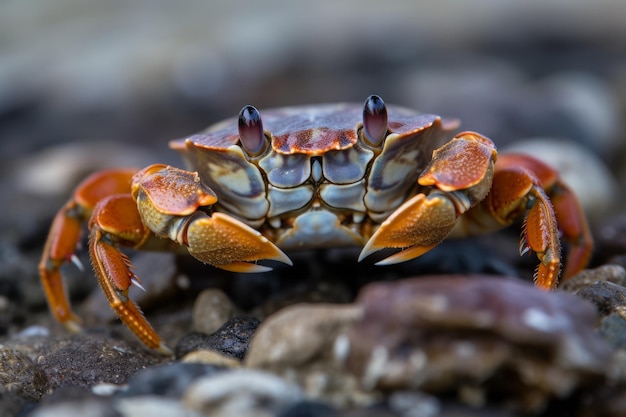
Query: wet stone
{"points": [[85, 407], [152, 406], [305, 343], [243, 393], [232, 339], [211, 357], [613, 328], [169, 380], [299, 334], [478, 337], [309, 408], [602, 286]]}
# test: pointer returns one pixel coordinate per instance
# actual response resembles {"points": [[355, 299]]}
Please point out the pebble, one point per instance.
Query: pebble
{"points": [[243, 393], [211, 357], [170, 380], [305, 343], [211, 310], [414, 404], [77, 408], [152, 405], [308, 408], [299, 334], [232, 339]]}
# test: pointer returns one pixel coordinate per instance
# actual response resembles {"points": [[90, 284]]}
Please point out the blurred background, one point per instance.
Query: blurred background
{"points": [[88, 84]]}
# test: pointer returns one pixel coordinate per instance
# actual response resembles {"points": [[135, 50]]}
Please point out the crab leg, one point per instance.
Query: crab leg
{"points": [[516, 193], [574, 228], [116, 222], [570, 217], [163, 212], [65, 234]]}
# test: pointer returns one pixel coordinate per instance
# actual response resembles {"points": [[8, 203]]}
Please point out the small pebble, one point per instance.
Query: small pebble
{"points": [[211, 310], [232, 339], [241, 392], [298, 334], [152, 405], [170, 380], [211, 357]]}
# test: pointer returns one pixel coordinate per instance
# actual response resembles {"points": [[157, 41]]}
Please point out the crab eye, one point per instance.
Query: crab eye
{"points": [[251, 130], [374, 120]]}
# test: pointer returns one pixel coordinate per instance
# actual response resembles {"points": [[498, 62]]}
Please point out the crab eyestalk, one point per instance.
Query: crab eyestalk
{"points": [[374, 120], [251, 130]]}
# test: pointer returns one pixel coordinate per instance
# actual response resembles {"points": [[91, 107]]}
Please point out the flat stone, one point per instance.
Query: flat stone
{"points": [[479, 337]]}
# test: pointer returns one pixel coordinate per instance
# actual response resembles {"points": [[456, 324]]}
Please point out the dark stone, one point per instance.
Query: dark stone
{"points": [[613, 328], [309, 409], [169, 380], [19, 375], [605, 295], [232, 339]]}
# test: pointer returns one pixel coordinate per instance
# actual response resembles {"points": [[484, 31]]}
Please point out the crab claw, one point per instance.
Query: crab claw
{"points": [[170, 201], [227, 243], [420, 224], [462, 171]]}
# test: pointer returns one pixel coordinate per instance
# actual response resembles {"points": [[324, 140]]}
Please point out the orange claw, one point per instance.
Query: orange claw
{"points": [[65, 234], [164, 202], [462, 170]]}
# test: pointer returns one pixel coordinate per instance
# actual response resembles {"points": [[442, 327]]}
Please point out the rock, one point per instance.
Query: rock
{"points": [[169, 380], [609, 273], [89, 407], [603, 286], [211, 310], [307, 408], [410, 403], [242, 393], [613, 328], [211, 357], [19, 375], [85, 360], [479, 337], [299, 334], [231, 339], [306, 343], [152, 405]]}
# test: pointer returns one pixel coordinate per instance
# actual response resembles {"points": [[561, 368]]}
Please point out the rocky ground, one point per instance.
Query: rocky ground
{"points": [[458, 332]]}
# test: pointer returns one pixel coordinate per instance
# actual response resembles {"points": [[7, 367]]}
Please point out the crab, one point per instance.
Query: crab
{"points": [[307, 177]]}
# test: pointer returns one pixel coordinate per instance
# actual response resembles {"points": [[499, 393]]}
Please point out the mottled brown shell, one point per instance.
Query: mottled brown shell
{"points": [[311, 130]]}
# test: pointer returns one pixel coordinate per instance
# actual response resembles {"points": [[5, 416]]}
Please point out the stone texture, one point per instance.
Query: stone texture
{"points": [[232, 339], [211, 310], [480, 337], [242, 393]]}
